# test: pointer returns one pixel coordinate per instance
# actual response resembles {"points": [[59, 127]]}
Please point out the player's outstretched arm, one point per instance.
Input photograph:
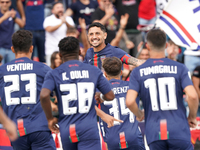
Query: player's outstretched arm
{"points": [[9, 125], [135, 62], [106, 97], [193, 103], [46, 105], [106, 118], [132, 105]]}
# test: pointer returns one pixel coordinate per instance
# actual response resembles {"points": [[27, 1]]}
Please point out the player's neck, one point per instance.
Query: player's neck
{"points": [[99, 48], [20, 55], [156, 55], [68, 58], [113, 77]]}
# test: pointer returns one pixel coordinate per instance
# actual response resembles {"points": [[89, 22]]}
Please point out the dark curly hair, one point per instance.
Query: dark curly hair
{"points": [[97, 24], [69, 45], [112, 66], [22, 41]]}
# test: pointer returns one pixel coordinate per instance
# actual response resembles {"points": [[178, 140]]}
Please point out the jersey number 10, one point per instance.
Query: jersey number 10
{"points": [[163, 83]]}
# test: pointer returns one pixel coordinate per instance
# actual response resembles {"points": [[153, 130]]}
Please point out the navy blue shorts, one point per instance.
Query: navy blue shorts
{"points": [[82, 145], [171, 144], [35, 141]]}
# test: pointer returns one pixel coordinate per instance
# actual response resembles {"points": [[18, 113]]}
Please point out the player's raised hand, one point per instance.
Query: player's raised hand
{"points": [[141, 116], [52, 123], [98, 98], [192, 122]]}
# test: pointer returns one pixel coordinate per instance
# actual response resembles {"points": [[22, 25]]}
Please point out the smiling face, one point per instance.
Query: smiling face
{"points": [[96, 37], [172, 51]]}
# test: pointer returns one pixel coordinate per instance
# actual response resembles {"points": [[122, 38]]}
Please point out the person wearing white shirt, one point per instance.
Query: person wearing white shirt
{"points": [[56, 27]]}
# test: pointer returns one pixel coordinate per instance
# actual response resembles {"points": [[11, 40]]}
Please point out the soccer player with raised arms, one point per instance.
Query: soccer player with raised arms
{"points": [[75, 85], [160, 82], [20, 85]]}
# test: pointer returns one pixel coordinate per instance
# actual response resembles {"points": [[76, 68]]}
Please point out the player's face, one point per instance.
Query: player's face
{"points": [[96, 36], [58, 10], [57, 61], [5, 4], [144, 54]]}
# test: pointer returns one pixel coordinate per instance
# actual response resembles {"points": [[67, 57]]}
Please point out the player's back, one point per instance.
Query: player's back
{"points": [[76, 83], [20, 84], [128, 130], [161, 83]]}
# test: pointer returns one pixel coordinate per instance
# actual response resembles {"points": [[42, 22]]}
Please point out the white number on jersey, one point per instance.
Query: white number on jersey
{"points": [[162, 84], [82, 92], [115, 109], [31, 86]]}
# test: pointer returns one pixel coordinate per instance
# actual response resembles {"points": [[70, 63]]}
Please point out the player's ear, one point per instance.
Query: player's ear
{"points": [[105, 35], [60, 55], [31, 49], [121, 73], [105, 74], [166, 45], [12, 48], [148, 47]]}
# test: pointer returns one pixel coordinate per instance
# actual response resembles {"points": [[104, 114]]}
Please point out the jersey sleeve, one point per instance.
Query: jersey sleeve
{"points": [[119, 53], [49, 82], [185, 77], [196, 72], [102, 84], [134, 81]]}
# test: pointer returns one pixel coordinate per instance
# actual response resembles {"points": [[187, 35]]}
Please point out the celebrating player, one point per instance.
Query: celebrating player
{"points": [[20, 84], [160, 83], [75, 84], [124, 135], [100, 50]]}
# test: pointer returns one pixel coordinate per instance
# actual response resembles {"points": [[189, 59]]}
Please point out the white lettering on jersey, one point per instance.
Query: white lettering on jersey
{"points": [[120, 90], [64, 76], [77, 74], [20, 67], [158, 69]]}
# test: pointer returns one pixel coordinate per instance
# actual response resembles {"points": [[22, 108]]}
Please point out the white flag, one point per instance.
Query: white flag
{"points": [[180, 20]]}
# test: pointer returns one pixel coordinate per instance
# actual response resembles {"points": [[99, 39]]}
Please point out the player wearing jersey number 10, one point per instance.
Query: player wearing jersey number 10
{"points": [[75, 84], [160, 82], [20, 84]]}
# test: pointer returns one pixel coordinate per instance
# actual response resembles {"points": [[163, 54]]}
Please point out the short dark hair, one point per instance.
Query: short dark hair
{"points": [[112, 66], [97, 24], [22, 41], [54, 3], [71, 30], [157, 38], [69, 45]]}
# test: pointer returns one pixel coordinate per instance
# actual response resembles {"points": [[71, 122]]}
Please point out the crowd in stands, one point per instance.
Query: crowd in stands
{"points": [[51, 20]]}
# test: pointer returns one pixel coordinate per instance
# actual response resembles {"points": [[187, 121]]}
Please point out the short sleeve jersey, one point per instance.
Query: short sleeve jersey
{"points": [[117, 108], [75, 84], [96, 58], [160, 84], [20, 85]]}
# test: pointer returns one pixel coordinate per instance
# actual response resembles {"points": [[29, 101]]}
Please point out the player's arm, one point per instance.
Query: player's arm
{"points": [[193, 103], [46, 105], [196, 82], [9, 125], [132, 105], [106, 118], [135, 62]]}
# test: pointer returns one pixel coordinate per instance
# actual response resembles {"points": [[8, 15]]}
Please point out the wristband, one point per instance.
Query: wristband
{"points": [[101, 96]]}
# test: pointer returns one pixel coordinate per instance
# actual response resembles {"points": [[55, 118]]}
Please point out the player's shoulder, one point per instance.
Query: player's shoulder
{"points": [[41, 66]]}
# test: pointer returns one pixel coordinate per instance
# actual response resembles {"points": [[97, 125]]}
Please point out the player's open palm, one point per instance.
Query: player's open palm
{"points": [[53, 126]]}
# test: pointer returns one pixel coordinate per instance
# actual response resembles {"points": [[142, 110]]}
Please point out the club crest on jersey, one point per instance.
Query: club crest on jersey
{"points": [[102, 58]]}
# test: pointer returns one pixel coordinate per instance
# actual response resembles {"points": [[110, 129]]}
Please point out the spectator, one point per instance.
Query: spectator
{"points": [[18, 5], [56, 27], [8, 18], [196, 82], [130, 7], [34, 11], [82, 9], [55, 60], [172, 50], [107, 16], [1, 58]]}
